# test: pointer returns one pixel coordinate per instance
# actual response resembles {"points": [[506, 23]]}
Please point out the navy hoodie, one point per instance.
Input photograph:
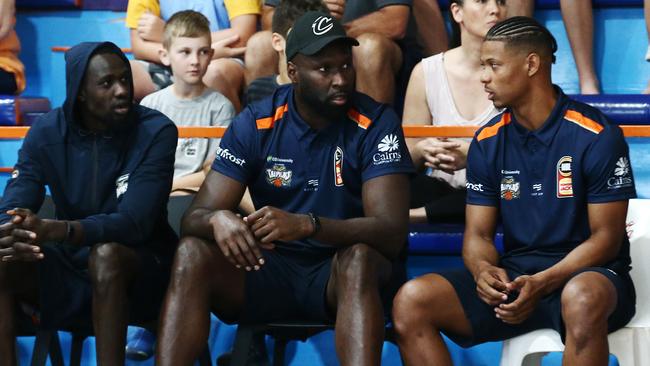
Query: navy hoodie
{"points": [[115, 183]]}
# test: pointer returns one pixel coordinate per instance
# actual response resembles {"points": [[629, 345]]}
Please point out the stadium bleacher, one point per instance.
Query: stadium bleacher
{"points": [[620, 46]]}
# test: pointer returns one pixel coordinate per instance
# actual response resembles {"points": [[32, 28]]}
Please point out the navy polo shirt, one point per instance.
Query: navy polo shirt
{"points": [[288, 165], [543, 180]]}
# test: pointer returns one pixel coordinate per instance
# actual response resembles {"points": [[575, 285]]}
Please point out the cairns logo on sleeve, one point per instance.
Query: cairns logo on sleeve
{"points": [[338, 167], [509, 188], [622, 177], [564, 177], [388, 151], [121, 185], [279, 176], [225, 154]]}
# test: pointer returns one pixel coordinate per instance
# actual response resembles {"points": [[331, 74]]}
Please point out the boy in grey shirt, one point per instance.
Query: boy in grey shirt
{"points": [[188, 101]]}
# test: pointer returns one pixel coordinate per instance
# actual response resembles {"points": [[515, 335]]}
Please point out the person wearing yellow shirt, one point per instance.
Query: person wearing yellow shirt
{"points": [[12, 71]]}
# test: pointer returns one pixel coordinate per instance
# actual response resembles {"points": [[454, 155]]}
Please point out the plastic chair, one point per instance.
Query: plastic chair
{"points": [[631, 344]]}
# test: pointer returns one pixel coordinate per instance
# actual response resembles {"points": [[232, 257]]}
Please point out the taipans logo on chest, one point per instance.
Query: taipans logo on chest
{"points": [[564, 177], [510, 188], [338, 167], [279, 176]]}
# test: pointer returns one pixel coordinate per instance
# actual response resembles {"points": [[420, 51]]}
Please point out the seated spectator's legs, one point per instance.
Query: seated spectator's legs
{"points": [[579, 23], [203, 280], [142, 83], [358, 273], [521, 8], [226, 75], [432, 34], [18, 282], [421, 309], [7, 82], [377, 60], [646, 13], [112, 269], [588, 300], [260, 58]]}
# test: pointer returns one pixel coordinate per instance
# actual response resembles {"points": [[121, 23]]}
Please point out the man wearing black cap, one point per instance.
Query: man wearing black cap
{"points": [[327, 171]]}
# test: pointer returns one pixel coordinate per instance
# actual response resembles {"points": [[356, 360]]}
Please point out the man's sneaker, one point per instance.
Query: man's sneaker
{"points": [[139, 344]]}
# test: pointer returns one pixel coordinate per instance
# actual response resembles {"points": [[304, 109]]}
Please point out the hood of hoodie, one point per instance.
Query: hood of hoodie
{"points": [[76, 64]]}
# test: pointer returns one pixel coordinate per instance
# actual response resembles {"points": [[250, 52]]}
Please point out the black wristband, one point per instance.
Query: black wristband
{"points": [[315, 223], [69, 232]]}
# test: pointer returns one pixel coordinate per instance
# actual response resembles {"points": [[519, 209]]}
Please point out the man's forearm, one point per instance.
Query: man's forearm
{"points": [[385, 235], [197, 223], [57, 231], [479, 252]]}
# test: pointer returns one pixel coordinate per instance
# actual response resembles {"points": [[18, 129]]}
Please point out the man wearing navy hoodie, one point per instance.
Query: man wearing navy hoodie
{"points": [[109, 166]]}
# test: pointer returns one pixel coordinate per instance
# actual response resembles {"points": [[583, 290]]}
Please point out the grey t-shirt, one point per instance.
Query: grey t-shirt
{"points": [[210, 109]]}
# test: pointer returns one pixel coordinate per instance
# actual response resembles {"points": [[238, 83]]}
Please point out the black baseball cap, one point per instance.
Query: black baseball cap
{"points": [[312, 32]]}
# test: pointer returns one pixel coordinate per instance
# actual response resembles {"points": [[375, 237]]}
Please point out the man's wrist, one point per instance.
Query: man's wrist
{"points": [[313, 225], [55, 230]]}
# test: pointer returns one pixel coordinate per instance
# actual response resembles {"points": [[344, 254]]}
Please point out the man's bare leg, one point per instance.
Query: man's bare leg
{"points": [[202, 280], [588, 300], [260, 58], [227, 77], [579, 23], [377, 60], [521, 8], [432, 34], [421, 308], [18, 281], [357, 274], [142, 83], [112, 268]]}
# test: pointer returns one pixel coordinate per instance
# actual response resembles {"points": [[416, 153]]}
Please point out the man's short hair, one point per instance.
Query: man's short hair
{"points": [[287, 11], [524, 33], [186, 23]]}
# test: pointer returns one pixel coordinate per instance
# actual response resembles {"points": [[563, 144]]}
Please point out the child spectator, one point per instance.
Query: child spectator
{"points": [[284, 16], [188, 101], [12, 71], [445, 89], [232, 23]]}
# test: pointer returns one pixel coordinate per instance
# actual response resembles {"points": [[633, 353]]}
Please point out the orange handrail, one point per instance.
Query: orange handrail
{"points": [[409, 131]]}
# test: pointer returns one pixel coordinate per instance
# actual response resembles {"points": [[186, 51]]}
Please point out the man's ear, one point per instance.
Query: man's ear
{"points": [[164, 56], [533, 63], [278, 42], [292, 71]]}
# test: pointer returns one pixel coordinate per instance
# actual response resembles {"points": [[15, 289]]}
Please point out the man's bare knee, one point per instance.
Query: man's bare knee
{"points": [[377, 53], [260, 58], [110, 263], [193, 258], [587, 301], [359, 262]]}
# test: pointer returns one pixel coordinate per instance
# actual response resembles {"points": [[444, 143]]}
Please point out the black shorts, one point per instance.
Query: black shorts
{"points": [[292, 285], [65, 288], [486, 327]]}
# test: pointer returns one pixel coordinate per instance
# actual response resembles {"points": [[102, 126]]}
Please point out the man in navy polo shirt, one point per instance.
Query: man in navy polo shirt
{"points": [[327, 169], [557, 175]]}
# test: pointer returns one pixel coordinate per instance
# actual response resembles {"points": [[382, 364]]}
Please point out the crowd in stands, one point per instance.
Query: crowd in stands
{"points": [[303, 207]]}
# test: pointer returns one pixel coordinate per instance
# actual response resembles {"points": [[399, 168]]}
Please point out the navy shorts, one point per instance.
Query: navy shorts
{"points": [[486, 327], [292, 285], [65, 289]]}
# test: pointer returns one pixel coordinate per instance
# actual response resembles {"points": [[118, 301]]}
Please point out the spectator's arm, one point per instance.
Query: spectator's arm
{"points": [[7, 13], [243, 26], [267, 17], [144, 50], [416, 111], [390, 21]]}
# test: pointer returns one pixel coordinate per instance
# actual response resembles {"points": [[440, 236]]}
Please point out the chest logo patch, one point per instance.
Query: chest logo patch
{"points": [[564, 177], [121, 185], [510, 188], [279, 176], [188, 146], [338, 167]]}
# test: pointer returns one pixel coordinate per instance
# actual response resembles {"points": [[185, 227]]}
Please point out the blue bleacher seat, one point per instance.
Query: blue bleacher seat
{"points": [[48, 3], [21, 111], [622, 109]]}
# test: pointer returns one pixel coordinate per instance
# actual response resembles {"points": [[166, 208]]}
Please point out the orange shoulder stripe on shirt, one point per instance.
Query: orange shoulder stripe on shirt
{"points": [[363, 121], [494, 129], [268, 122], [582, 121]]}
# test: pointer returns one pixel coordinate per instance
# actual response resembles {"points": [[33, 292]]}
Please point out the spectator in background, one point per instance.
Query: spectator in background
{"points": [[646, 11], [521, 8], [579, 23], [232, 22], [284, 15], [388, 45], [431, 31], [108, 165], [12, 71], [188, 101], [446, 89]]}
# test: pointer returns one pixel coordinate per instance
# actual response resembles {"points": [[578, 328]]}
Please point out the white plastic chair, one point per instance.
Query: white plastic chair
{"points": [[631, 345]]}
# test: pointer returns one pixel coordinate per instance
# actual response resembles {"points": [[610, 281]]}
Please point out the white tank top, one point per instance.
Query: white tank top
{"points": [[444, 113]]}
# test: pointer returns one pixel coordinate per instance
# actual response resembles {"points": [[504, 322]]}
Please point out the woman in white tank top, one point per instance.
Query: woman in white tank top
{"points": [[445, 89]]}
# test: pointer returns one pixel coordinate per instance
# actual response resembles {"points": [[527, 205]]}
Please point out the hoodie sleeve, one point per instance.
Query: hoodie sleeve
{"points": [[140, 207], [26, 188]]}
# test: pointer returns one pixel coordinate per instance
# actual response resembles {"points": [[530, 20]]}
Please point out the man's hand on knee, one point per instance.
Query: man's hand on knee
{"points": [[270, 224], [236, 240], [530, 290], [491, 285], [18, 240]]}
